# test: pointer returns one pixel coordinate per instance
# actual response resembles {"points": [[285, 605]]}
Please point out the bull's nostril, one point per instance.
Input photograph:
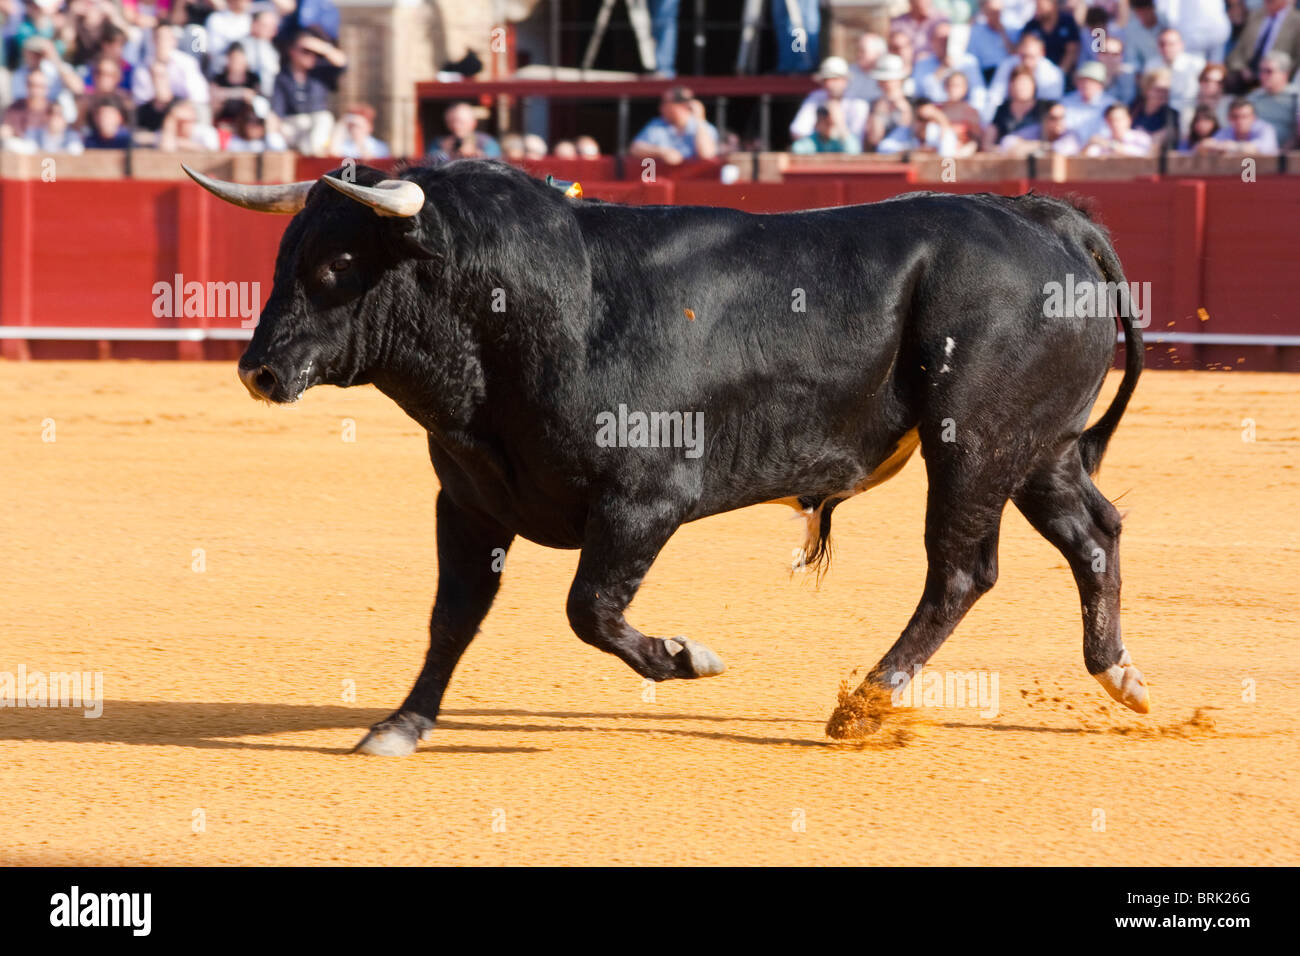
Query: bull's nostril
{"points": [[264, 380]]}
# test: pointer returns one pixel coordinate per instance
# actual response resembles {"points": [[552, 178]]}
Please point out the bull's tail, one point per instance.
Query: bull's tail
{"points": [[1093, 442]]}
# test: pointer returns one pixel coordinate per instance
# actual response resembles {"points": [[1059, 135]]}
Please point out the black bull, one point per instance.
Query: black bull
{"points": [[796, 358]]}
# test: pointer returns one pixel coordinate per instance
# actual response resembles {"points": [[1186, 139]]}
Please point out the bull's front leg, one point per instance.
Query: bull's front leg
{"points": [[620, 544], [470, 551]]}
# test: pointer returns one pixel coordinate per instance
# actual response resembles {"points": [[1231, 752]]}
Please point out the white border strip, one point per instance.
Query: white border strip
{"points": [[74, 334], [1219, 338]]}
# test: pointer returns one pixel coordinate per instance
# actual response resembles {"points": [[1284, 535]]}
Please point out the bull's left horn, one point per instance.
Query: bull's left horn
{"points": [[392, 197], [287, 198]]}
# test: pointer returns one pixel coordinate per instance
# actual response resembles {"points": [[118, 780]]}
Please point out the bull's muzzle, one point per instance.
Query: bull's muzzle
{"points": [[260, 380]]}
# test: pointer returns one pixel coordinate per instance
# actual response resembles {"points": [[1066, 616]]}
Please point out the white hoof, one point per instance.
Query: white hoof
{"points": [[1126, 684], [389, 742], [704, 662]]}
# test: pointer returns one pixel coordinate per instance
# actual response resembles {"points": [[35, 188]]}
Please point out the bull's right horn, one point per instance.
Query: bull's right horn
{"points": [[400, 198], [286, 198]]}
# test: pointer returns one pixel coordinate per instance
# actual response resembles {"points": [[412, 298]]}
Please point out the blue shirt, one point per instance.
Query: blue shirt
{"points": [[659, 132]]}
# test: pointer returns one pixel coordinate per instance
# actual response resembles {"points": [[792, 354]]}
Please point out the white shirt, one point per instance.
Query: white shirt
{"points": [[855, 115], [187, 79], [862, 86], [224, 28], [1203, 23], [1186, 77]]}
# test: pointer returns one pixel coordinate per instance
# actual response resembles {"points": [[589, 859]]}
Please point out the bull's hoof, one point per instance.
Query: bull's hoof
{"points": [[397, 736], [1126, 684], [702, 661]]}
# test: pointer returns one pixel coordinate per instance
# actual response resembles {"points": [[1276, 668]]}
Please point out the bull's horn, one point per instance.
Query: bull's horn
{"points": [[287, 198], [392, 197]]}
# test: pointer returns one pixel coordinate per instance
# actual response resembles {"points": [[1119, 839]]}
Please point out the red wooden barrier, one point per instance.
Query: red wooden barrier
{"points": [[1218, 253]]}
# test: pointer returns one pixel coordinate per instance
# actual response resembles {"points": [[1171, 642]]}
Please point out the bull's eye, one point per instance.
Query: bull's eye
{"points": [[341, 264]]}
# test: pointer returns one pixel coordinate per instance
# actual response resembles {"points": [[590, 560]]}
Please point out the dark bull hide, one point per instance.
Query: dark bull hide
{"points": [[797, 358]]}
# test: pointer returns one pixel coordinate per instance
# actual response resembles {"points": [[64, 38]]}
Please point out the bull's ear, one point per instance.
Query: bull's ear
{"points": [[414, 245], [411, 242]]}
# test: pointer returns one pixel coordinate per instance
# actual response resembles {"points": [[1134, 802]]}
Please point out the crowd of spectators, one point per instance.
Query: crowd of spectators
{"points": [[210, 75], [1014, 77], [1066, 77]]}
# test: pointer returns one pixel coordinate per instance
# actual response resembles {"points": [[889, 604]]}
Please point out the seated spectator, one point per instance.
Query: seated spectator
{"points": [[1121, 76], [991, 40], [851, 114], [1095, 26], [1020, 110], [1141, 26], [104, 76], [1203, 126], [464, 141], [58, 136], [249, 133], [354, 135], [587, 146], [263, 56], [1209, 92], [900, 46], [183, 73], [1275, 26], [1151, 111], [680, 131], [929, 132], [862, 85], [1245, 133], [25, 119], [893, 108], [149, 116], [38, 20], [1118, 137], [534, 147], [108, 128], [918, 23], [1276, 101], [965, 120], [40, 56], [236, 81], [183, 131], [512, 147], [1184, 70], [1052, 136], [829, 135], [564, 149], [112, 49], [1059, 32], [300, 96], [227, 26], [1047, 76], [946, 55]]}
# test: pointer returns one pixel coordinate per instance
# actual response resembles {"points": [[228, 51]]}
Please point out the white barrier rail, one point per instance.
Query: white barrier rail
{"points": [[50, 333]]}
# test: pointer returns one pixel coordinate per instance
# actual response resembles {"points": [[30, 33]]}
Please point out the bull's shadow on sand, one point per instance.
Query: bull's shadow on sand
{"points": [[206, 725]]}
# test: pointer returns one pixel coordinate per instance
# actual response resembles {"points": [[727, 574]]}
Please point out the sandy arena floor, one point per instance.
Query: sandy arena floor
{"points": [[227, 717]]}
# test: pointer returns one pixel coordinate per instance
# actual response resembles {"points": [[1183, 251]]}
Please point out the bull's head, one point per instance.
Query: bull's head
{"points": [[333, 277]]}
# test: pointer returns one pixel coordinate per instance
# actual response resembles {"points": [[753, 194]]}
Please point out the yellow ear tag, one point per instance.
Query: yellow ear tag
{"points": [[574, 191]]}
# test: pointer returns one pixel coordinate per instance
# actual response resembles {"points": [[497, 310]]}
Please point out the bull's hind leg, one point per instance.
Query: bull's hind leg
{"points": [[621, 543], [1065, 507], [964, 505], [470, 553]]}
